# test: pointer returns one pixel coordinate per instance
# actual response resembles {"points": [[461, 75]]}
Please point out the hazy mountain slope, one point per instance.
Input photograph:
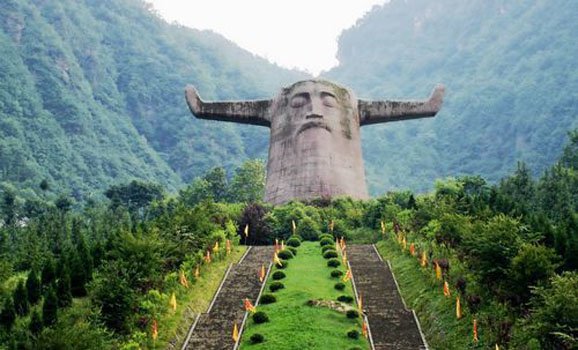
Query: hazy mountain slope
{"points": [[511, 74], [91, 93]]}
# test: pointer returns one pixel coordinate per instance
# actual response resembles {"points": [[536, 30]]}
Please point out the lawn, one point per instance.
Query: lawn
{"points": [[295, 325]]}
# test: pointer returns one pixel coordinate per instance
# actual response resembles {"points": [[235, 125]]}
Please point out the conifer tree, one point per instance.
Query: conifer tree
{"points": [[50, 308], [35, 326], [48, 274], [33, 287], [8, 314], [63, 289], [20, 297]]}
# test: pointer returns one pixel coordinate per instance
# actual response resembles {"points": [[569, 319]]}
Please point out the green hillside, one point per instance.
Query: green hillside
{"points": [[511, 75], [91, 94]]}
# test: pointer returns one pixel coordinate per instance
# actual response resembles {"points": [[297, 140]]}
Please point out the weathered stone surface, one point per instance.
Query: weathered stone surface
{"points": [[315, 146]]}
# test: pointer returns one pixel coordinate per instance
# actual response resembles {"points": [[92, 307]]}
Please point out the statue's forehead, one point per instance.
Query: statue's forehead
{"points": [[311, 86]]}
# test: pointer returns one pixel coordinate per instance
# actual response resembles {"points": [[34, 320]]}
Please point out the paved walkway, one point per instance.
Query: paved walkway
{"points": [[393, 326]]}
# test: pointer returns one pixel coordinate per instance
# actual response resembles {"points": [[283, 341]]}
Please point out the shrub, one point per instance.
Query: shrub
{"points": [[333, 262], [308, 229], [257, 338], [267, 299], [355, 348], [353, 334], [352, 314], [339, 286], [326, 241], [330, 254], [345, 298], [275, 286], [278, 275], [326, 248], [284, 264], [285, 254], [292, 250], [260, 317], [336, 273], [294, 242], [326, 235]]}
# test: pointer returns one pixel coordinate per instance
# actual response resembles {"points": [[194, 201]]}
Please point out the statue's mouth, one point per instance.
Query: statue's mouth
{"points": [[314, 124]]}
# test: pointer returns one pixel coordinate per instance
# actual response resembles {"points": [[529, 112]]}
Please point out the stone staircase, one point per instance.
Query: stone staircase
{"points": [[392, 325], [213, 330]]}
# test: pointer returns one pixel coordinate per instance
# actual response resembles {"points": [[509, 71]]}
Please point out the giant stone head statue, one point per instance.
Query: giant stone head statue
{"points": [[315, 146]]}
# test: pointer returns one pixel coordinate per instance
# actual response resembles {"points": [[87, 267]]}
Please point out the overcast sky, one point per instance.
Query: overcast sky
{"points": [[292, 33]]}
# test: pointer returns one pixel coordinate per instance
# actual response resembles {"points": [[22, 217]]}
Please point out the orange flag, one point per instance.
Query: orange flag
{"points": [[342, 243], [458, 308], [208, 257], [183, 279], [475, 331], [364, 329], [423, 259], [347, 276], [438, 272], [246, 231], [337, 246], [235, 333], [412, 249], [276, 260], [262, 274], [228, 247], [446, 289], [248, 305], [197, 272], [173, 302], [155, 330]]}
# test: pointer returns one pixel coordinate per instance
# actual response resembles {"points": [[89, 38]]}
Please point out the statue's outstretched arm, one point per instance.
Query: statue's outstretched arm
{"points": [[244, 112], [372, 112]]}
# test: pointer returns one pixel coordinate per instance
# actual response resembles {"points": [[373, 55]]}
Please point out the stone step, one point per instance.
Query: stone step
{"points": [[393, 327], [214, 329]]}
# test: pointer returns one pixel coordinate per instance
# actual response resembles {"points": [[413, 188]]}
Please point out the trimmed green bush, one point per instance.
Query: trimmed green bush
{"points": [[278, 275], [285, 254], [333, 262], [260, 317], [336, 273], [275, 286], [339, 286], [353, 334], [355, 348], [330, 254], [257, 338], [326, 235], [352, 314], [293, 242], [345, 298], [292, 249], [267, 298], [326, 248], [326, 241], [284, 264]]}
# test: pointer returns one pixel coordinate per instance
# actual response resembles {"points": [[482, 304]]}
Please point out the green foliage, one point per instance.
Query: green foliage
{"points": [[352, 314], [275, 286], [64, 289], [35, 326], [336, 273], [8, 314], [293, 250], [293, 242], [326, 241], [257, 338], [33, 287], [532, 266], [49, 308], [260, 317], [267, 299], [330, 254], [20, 297], [326, 248], [285, 254], [345, 298], [308, 229], [333, 262], [353, 334], [278, 275], [248, 183], [339, 286]]}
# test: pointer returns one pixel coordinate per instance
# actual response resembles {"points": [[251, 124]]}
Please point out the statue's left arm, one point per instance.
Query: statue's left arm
{"points": [[373, 112]]}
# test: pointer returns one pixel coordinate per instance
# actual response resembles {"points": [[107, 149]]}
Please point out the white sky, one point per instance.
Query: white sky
{"points": [[292, 33]]}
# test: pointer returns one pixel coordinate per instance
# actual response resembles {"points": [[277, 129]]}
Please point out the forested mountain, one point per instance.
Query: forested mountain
{"points": [[511, 74], [91, 94]]}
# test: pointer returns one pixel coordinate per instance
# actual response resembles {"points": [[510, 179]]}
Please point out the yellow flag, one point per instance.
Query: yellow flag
{"points": [[458, 308], [282, 245], [197, 272], [360, 305], [347, 276], [276, 260], [173, 302], [235, 333], [294, 226], [208, 257], [446, 289], [216, 247], [344, 258], [337, 246], [262, 273], [246, 230], [155, 330], [438, 271], [183, 279], [331, 226], [382, 227], [497, 347], [403, 243], [228, 247], [423, 259], [276, 245]]}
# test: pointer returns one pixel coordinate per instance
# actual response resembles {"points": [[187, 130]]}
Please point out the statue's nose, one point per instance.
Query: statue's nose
{"points": [[316, 111]]}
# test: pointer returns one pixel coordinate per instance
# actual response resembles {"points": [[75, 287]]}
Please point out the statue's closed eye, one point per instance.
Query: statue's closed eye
{"points": [[299, 100], [329, 100]]}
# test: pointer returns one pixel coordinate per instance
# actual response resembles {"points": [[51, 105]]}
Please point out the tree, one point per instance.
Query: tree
{"points": [[48, 274], [8, 314], [50, 308], [63, 288], [35, 326], [217, 183], [20, 297], [33, 287], [135, 196], [531, 267], [248, 184]]}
